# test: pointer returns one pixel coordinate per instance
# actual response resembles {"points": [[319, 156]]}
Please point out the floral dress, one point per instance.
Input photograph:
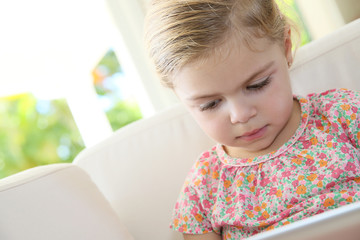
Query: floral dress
{"points": [[318, 169]]}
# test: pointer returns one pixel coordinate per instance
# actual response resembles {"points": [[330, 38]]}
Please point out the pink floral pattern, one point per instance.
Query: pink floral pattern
{"points": [[316, 170]]}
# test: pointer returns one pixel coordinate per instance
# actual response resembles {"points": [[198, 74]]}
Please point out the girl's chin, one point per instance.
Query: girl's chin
{"points": [[257, 149]]}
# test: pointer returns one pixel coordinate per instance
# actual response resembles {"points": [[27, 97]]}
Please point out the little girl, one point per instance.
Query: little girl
{"points": [[279, 158]]}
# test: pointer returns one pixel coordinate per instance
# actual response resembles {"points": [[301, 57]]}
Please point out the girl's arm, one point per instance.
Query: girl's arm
{"points": [[207, 236]]}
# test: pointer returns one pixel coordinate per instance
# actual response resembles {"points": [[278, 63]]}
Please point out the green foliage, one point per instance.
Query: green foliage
{"points": [[110, 62], [110, 84], [123, 113], [35, 132], [290, 9]]}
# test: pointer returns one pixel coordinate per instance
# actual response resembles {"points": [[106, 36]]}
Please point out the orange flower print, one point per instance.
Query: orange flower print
{"points": [[322, 163], [301, 189], [228, 199], [357, 180], [349, 199], [239, 183], [265, 214], [249, 213], [184, 227], [186, 218], [301, 177], [329, 202], [270, 228], [252, 189], [227, 236], [262, 224], [353, 116], [329, 144], [320, 127], [345, 107], [261, 165], [313, 141], [320, 184], [312, 177], [279, 193], [176, 222], [198, 217], [203, 171], [296, 161], [227, 183], [304, 152], [197, 182], [264, 205], [251, 178], [257, 208], [215, 175]]}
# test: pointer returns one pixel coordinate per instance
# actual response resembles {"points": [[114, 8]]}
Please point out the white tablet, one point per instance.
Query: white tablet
{"points": [[342, 223]]}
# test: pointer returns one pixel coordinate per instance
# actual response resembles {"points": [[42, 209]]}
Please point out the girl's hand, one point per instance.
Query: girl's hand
{"points": [[207, 236]]}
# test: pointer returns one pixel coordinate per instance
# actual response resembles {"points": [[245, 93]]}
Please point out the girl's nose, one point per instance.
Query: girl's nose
{"points": [[241, 112]]}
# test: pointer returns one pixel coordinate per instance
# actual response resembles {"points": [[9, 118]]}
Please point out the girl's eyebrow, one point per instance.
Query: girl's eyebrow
{"points": [[254, 75], [260, 71]]}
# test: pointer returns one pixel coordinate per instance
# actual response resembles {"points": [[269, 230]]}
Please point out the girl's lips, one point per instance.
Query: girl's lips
{"points": [[255, 134]]}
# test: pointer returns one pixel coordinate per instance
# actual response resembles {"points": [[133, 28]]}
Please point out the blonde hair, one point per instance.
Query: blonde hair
{"points": [[178, 32]]}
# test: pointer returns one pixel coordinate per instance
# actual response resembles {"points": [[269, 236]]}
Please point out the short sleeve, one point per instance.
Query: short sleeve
{"points": [[188, 216], [342, 107], [192, 212]]}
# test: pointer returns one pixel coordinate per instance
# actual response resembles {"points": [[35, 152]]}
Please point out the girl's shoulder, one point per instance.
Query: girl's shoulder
{"points": [[208, 158], [335, 95], [335, 100], [207, 163]]}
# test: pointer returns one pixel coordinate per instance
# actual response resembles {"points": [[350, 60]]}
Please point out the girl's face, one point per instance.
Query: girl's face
{"points": [[243, 100]]}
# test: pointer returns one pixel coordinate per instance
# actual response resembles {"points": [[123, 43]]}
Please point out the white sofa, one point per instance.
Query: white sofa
{"points": [[126, 186]]}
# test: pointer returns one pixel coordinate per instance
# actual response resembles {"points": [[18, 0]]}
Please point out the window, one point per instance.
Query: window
{"points": [[36, 132], [291, 10], [114, 91]]}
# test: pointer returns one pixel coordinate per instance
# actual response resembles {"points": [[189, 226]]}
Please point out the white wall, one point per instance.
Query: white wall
{"points": [[324, 16], [128, 16]]}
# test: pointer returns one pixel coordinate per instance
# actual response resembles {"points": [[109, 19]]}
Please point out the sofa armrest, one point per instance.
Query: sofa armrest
{"points": [[57, 201]]}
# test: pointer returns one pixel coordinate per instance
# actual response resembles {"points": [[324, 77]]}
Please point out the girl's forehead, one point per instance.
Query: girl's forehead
{"points": [[233, 62], [230, 47]]}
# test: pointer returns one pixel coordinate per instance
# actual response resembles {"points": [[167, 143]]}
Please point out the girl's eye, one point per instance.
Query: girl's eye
{"points": [[260, 85], [209, 105]]}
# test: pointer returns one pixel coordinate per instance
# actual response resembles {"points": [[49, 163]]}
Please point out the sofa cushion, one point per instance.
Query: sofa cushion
{"points": [[56, 202]]}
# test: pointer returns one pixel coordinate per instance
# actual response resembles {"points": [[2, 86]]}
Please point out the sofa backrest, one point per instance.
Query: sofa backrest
{"points": [[57, 202], [140, 169]]}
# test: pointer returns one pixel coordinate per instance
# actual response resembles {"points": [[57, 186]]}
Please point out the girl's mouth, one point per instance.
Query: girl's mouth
{"points": [[253, 135]]}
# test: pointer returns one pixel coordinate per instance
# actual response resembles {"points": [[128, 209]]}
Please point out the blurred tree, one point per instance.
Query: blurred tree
{"points": [[113, 90], [123, 113], [35, 132], [291, 10]]}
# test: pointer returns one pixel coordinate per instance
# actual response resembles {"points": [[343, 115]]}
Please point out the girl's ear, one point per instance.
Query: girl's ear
{"points": [[288, 46]]}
